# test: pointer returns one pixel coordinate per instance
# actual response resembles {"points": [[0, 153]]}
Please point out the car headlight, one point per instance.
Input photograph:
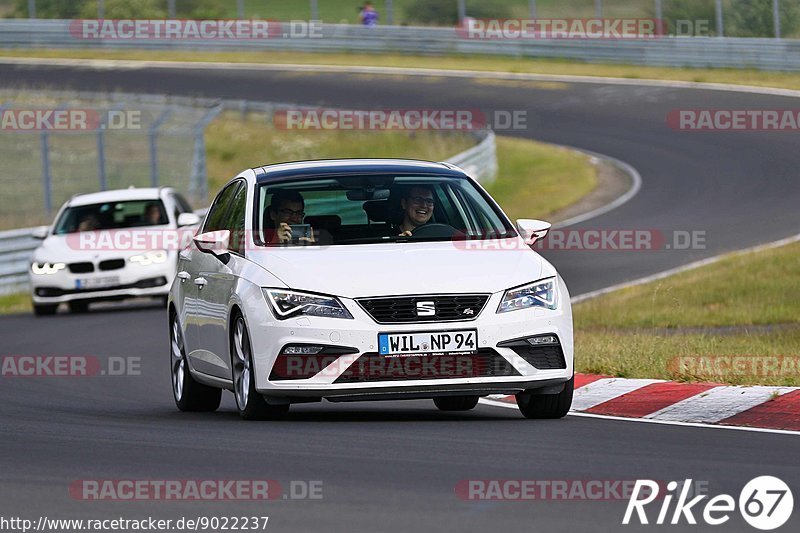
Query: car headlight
{"points": [[47, 268], [288, 304], [149, 258], [540, 293]]}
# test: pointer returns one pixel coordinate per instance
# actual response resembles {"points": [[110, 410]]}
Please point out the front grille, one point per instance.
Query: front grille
{"points": [[372, 367], [111, 264], [404, 310], [81, 268], [548, 357], [141, 284]]}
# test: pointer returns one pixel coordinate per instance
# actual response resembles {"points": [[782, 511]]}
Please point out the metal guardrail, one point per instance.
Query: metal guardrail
{"points": [[17, 246], [719, 52]]}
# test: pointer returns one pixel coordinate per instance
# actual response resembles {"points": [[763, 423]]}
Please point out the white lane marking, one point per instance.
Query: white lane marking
{"points": [[636, 186], [407, 71], [493, 403], [606, 389], [717, 404]]}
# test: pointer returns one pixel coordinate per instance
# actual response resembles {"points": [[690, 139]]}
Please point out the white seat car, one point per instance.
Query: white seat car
{"points": [[109, 245], [367, 280]]}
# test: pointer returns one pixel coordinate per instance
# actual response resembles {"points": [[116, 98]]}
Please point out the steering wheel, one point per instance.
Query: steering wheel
{"points": [[434, 230]]}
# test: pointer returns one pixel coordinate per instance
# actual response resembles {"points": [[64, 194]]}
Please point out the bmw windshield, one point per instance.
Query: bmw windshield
{"points": [[375, 208], [111, 215]]}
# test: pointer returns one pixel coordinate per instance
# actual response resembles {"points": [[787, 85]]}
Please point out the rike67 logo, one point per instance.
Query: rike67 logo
{"points": [[765, 503]]}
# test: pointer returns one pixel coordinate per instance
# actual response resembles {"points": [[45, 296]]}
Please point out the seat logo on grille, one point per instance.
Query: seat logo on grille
{"points": [[468, 311], [426, 309]]}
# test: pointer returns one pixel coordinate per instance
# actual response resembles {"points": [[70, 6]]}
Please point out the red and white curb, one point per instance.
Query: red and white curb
{"points": [[654, 400]]}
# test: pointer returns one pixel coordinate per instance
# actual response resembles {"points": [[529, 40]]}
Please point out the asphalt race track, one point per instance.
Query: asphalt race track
{"points": [[394, 466]]}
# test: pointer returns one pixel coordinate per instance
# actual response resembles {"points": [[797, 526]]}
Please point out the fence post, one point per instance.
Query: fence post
{"points": [[390, 12], [240, 8], [659, 11], [171, 8], [153, 138], [46, 181], [720, 22], [198, 186], [598, 9], [314, 10], [462, 10], [31, 9], [532, 8], [101, 9], [776, 13], [101, 159]]}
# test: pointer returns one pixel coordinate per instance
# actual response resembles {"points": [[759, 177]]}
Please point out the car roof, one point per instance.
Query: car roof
{"points": [[333, 167], [118, 195]]}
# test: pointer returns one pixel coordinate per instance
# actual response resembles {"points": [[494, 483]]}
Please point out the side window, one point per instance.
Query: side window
{"points": [[235, 221], [216, 215]]}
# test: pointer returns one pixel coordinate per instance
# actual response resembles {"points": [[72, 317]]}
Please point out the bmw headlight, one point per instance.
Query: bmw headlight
{"points": [[288, 304], [149, 258], [42, 269], [541, 293]]}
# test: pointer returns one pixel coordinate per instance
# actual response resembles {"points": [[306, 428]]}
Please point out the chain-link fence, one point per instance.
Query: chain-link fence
{"points": [[734, 18], [54, 147]]}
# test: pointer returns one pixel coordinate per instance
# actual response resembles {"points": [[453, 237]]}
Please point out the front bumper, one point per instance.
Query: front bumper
{"points": [[495, 369], [129, 282]]}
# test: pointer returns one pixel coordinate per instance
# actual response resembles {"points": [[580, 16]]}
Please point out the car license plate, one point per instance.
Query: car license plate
{"points": [[96, 283], [465, 341]]}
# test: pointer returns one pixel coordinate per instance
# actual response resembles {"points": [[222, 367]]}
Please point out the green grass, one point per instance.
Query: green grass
{"points": [[234, 143], [741, 290], [15, 303], [638, 331], [539, 179], [784, 80]]}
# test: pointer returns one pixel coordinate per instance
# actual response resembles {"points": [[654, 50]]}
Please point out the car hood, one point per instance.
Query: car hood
{"points": [[354, 271], [69, 249]]}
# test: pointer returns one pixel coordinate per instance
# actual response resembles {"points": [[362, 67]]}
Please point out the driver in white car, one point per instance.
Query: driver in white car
{"points": [[417, 209], [286, 209]]}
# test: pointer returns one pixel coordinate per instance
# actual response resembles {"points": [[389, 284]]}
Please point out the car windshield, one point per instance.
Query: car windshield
{"points": [[365, 209], [111, 215]]}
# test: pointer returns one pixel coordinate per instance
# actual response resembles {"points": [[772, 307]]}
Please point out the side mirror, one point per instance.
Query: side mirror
{"points": [[213, 242], [40, 233], [532, 230], [188, 219]]}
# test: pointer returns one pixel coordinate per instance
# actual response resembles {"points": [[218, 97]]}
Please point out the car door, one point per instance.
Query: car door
{"points": [[219, 276], [192, 263]]}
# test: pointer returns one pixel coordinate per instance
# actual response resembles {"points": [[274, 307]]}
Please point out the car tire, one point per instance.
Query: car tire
{"points": [[78, 307], [456, 403], [250, 403], [189, 395], [539, 406], [44, 309]]}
